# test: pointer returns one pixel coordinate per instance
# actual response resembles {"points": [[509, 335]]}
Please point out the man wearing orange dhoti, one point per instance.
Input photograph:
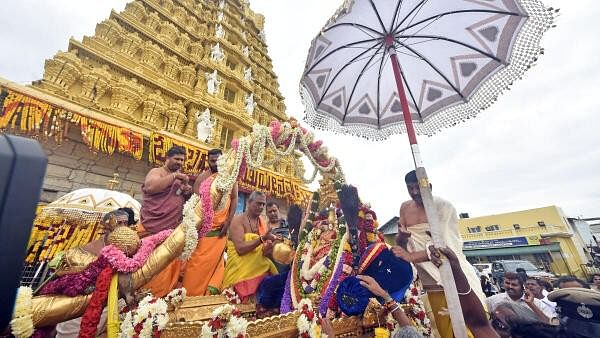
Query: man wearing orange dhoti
{"points": [[205, 269], [165, 190], [250, 243]]}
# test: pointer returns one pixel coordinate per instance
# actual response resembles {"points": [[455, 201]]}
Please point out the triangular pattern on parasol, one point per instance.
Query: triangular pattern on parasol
{"points": [[464, 97]]}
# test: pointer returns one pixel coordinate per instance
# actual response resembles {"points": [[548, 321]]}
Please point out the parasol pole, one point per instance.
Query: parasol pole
{"points": [[454, 308]]}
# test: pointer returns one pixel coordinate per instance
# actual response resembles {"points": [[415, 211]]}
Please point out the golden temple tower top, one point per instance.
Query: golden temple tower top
{"points": [[196, 69]]}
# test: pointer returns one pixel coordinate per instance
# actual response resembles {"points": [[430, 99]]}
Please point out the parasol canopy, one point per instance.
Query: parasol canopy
{"points": [[455, 56]]}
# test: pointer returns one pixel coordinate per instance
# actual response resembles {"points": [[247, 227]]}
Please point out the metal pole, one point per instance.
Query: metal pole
{"points": [[454, 308]]}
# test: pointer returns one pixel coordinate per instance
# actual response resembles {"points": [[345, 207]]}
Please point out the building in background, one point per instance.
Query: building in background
{"points": [[543, 236], [390, 230], [159, 73]]}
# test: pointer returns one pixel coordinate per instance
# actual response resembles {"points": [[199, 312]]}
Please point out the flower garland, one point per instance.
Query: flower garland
{"points": [[308, 321], [176, 296], [190, 221], [339, 274], [91, 316], [231, 296], [76, 284], [226, 321], [150, 317], [121, 263], [21, 325], [286, 299], [415, 311], [207, 207], [304, 283]]}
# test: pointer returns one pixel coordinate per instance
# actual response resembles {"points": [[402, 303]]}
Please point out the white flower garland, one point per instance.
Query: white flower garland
{"points": [[253, 147], [308, 321], [226, 321], [231, 296], [190, 222], [151, 313], [415, 307], [176, 297], [22, 323]]}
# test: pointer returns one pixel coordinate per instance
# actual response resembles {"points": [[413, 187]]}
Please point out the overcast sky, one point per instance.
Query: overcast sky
{"points": [[538, 145]]}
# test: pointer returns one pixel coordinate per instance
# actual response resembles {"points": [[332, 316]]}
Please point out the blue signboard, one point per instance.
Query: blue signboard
{"points": [[496, 243]]}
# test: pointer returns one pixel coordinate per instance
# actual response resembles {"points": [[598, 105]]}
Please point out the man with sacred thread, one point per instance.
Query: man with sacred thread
{"points": [[249, 245], [165, 190], [414, 240], [205, 269]]}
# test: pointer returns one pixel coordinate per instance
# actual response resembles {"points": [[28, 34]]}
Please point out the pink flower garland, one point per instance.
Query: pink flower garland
{"points": [[275, 129], [121, 263], [207, 207]]}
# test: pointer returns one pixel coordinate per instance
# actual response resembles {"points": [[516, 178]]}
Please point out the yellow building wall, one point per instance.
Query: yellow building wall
{"points": [[556, 230]]}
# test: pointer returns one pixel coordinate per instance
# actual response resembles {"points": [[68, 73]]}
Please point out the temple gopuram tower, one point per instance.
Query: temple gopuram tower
{"points": [[160, 73]]}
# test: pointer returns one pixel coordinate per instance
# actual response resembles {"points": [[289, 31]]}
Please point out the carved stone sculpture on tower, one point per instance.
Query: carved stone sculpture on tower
{"points": [[176, 117], [248, 73], [246, 51], [212, 82], [153, 107], [95, 83], [220, 17], [216, 53], [221, 4], [204, 125], [126, 96], [219, 32], [262, 35], [250, 104], [63, 70]]}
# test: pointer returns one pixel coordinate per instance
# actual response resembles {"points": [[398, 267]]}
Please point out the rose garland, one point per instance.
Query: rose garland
{"points": [[76, 284], [150, 317], [176, 296], [83, 283], [121, 263], [308, 322], [21, 325], [231, 296], [91, 316], [226, 321], [415, 312], [190, 227]]}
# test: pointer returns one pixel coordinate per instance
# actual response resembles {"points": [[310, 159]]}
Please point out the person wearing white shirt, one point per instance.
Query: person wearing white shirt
{"points": [[516, 293], [534, 286]]}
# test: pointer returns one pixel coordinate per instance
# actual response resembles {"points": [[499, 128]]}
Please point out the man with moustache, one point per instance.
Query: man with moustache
{"points": [[516, 293], [165, 190]]}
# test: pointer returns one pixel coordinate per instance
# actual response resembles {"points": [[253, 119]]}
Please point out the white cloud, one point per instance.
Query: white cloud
{"points": [[538, 145]]}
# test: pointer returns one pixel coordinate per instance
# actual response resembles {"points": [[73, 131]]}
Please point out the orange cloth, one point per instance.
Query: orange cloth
{"points": [[206, 267], [161, 284]]}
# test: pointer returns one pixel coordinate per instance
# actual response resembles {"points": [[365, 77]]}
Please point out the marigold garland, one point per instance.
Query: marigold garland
{"points": [[26, 114]]}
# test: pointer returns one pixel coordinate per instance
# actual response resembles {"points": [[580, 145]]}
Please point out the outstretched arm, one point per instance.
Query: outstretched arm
{"points": [[473, 312]]}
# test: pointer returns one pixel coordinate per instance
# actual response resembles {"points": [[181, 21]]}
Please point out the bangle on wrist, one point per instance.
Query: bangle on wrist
{"points": [[464, 293], [387, 298]]}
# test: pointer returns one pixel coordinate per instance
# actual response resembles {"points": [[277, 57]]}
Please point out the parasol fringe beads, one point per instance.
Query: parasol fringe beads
{"points": [[524, 54]]}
